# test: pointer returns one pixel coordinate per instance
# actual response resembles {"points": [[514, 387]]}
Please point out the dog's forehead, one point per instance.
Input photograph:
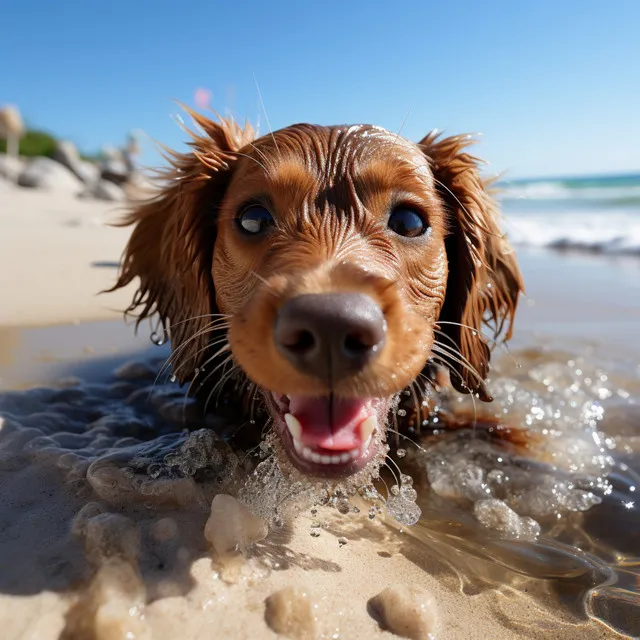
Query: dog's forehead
{"points": [[337, 149]]}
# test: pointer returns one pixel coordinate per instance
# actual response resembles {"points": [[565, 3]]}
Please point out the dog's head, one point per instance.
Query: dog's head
{"points": [[341, 259]]}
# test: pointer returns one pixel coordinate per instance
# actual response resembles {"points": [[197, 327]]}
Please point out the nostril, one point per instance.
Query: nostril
{"points": [[357, 343], [300, 342]]}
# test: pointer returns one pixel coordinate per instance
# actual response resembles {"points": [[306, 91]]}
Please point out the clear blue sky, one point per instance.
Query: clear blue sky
{"points": [[553, 86]]}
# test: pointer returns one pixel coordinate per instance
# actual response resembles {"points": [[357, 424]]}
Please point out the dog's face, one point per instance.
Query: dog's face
{"points": [[333, 253]]}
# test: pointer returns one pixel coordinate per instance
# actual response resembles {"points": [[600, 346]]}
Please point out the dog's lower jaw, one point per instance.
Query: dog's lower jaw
{"points": [[305, 441]]}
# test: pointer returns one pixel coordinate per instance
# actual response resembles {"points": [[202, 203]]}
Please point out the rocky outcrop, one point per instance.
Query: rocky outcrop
{"points": [[45, 173], [67, 154], [104, 190]]}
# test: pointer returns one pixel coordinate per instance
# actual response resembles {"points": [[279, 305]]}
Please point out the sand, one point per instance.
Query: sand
{"points": [[56, 254], [79, 566]]}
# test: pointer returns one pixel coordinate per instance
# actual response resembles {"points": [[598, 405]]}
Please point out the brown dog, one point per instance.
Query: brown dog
{"points": [[321, 264]]}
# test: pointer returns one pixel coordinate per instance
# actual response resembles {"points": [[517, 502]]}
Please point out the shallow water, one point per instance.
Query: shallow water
{"points": [[108, 481]]}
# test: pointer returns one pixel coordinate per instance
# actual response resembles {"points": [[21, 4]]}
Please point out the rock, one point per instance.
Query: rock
{"points": [[291, 612], [45, 173], [88, 172], [105, 190], [10, 167], [115, 171], [406, 610], [67, 154], [232, 527]]}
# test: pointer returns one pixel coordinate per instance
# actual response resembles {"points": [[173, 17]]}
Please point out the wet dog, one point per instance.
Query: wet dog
{"points": [[326, 267]]}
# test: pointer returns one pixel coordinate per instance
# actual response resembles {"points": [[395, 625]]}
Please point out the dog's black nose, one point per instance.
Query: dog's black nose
{"points": [[330, 335]]}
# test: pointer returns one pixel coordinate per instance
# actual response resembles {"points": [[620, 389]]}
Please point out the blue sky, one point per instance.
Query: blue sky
{"points": [[554, 87]]}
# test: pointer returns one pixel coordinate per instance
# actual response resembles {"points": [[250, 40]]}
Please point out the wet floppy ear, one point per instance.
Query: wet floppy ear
{"points": [[484, 280], [171, 246]]}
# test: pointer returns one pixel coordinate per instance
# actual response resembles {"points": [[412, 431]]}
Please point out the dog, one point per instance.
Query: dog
{"points": [[328, 268]]}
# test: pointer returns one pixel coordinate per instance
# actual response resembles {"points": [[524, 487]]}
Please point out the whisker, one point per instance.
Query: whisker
{"points": [[266, 117], [210, 395], [259, 277], [219, 386], [402, 435], [245, 155], [204, 315], [502, 344], [386, 486], [397, 467], [171, 360], [210, 328], [416, 402], [446, 352], [476, 221], [263, 155], [212, 358], [473, 400], [209, 345], [404, 121]]}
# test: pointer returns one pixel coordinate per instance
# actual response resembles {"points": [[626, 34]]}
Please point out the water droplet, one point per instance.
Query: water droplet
{"points": [[401, 453], [402, 413], [342, 541], [315, 533], [157, 339]]}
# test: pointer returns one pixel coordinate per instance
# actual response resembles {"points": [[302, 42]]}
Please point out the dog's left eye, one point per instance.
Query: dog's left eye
{"points": [[254, 220], [407, 222]]}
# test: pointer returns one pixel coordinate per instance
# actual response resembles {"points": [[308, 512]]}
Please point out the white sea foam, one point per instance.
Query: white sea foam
{"points": [[603, 231]]}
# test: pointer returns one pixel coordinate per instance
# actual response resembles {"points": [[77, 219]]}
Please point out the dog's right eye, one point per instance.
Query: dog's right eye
{"points": [[254, 220]]}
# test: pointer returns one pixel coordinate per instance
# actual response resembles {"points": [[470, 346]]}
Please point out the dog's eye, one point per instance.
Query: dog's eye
{"points": [[254, 220], [407, 222]]}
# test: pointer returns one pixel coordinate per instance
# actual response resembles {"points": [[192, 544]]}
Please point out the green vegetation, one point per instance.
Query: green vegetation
{"points": [[34, 143]]}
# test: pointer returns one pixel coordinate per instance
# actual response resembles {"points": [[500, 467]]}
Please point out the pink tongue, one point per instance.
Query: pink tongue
{"points": [[330, 423]]}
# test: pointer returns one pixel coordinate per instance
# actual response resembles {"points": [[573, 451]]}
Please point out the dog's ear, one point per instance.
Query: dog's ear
{"points": [[171, 246], [484, 280]]}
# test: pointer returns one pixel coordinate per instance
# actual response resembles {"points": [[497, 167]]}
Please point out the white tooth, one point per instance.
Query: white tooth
{"points": [[325, 459], [297, 445], [316, 457], [345, 457], [306, 453], [294, 426], [354, 453], [365, 446], [367, 427], [336, 459]]}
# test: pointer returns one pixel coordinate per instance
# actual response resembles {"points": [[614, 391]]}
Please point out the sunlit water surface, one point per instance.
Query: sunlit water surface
{"points": [[550, 508]]}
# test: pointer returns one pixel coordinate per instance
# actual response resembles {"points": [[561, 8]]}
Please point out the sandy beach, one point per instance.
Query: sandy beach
{"points": [[48, 239], [95, 546]]}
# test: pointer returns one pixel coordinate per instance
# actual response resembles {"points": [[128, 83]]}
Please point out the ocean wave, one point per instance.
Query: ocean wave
{"points": [[558, 190], [602, 232]]}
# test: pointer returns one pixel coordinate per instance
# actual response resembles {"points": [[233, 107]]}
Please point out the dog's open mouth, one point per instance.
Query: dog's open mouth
{"points": [[327, 435]]}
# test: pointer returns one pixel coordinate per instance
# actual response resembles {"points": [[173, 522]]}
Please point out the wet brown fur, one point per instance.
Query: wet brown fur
{"points": [[330, 191]]}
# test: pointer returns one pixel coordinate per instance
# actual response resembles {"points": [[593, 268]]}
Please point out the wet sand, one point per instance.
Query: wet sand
{"points": [[97, 547]]}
